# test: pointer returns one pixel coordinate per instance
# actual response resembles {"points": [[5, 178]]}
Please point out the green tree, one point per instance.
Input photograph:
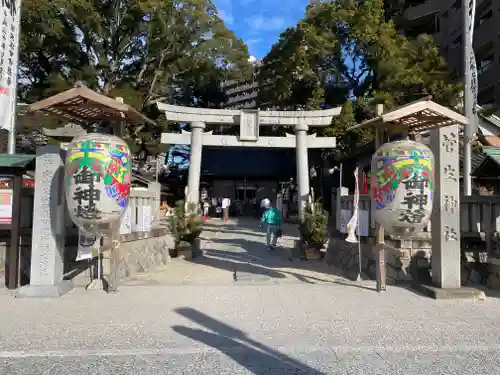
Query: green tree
{"points": [[349, 50], [176, 51]]}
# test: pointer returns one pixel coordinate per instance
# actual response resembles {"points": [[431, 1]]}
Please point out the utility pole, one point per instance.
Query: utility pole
{"points": [[470, 89]]}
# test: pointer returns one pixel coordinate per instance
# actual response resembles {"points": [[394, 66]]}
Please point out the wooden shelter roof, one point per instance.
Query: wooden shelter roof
{"points": [[419, 116], [83, 105]]}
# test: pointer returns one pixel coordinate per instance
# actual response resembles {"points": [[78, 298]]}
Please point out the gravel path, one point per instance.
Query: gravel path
{"points": [[237, 252], [278, 317], [249, 329]]}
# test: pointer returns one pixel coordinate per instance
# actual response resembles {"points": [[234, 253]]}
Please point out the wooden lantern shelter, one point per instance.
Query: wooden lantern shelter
{"points": [[83, 105], [415, 117]]}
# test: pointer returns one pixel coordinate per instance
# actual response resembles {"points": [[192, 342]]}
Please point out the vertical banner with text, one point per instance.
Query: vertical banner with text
{"points": [[10, 17], [470, 95]]}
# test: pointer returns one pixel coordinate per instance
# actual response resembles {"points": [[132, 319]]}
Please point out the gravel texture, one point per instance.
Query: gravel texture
{"points": [[249, 329], [253, 327]]}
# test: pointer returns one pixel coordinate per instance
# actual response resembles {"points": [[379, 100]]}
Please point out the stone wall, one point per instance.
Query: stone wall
{"points": [[139, 252], [409, 261], [345, 256]]}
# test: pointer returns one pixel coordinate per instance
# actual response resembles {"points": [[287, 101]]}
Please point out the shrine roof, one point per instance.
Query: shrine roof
{"points": [[421, 115], [489, 166], [70, 130], [16, 161], [83, 105]]}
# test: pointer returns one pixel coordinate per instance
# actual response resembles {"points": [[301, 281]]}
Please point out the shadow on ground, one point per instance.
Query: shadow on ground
{"points": [[252, 355], [240, 249]]}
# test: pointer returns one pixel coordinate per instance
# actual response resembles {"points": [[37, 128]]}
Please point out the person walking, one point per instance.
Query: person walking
{"points": [[226, 202], [271, 218]]}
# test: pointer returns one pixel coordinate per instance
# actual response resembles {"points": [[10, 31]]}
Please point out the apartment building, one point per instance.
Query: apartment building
{"points": [[444, 20]]}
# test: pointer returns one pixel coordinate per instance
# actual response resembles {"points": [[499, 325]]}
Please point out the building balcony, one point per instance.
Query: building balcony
{"points": [[485, 33], [487, 77], [428, 8]]}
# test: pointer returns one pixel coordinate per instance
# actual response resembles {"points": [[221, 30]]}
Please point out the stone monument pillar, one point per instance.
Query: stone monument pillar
{"points": [[195, 161], [301, 154], [48, 239], [445, 217]]}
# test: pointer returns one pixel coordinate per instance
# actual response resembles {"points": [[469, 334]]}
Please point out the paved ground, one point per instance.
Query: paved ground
{"points": [[237, 251], [254, 327]]}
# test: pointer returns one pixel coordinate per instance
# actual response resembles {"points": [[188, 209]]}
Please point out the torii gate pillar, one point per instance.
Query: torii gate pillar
{"points": [[249, 121], [194, 171]]}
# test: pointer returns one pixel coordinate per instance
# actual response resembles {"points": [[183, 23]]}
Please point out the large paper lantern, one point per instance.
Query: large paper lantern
{"points": [[402, 186], [97, 180]]}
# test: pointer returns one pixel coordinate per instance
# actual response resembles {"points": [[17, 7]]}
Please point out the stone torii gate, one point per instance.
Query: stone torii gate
{"points": [[249, 122]]}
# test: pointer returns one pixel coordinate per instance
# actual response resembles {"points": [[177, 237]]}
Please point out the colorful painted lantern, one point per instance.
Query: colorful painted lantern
{"points": [[97, 180], [402, 186]]}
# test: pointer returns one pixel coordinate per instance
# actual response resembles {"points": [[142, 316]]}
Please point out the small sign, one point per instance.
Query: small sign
{"points": [[345, 216], [363, 224], [6, 195]]}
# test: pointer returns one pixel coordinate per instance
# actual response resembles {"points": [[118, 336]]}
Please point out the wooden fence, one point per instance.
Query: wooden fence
{"points": [[479, 216]]}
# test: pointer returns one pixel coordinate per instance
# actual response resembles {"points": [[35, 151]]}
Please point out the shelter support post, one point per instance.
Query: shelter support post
{"points": [[197, 128], [445, 219], [381, 272], [13, 261], [301, 151]]}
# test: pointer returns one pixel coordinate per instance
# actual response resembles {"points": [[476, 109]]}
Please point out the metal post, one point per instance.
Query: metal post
{"points": [[340, 178], [470, 89], [157, 167], [379, 230], [11, 149]]}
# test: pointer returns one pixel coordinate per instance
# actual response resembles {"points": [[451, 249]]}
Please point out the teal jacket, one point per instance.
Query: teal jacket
{"points": [[271, 216]]}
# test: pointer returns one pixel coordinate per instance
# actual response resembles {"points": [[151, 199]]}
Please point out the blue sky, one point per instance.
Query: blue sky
{"points": [[260, 22]]}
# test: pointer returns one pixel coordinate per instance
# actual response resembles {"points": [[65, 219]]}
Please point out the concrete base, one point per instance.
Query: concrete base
{"points": [[44, 291], [453, 293]]}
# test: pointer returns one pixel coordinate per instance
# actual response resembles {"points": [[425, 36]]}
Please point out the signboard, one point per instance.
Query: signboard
{"points": [[6, 194], [10, 17]]}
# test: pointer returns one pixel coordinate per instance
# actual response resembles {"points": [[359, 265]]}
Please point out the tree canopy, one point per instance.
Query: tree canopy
{"points": [[177, 51], [346, 53]]}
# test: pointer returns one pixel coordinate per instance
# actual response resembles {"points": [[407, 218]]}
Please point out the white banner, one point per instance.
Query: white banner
{"points": [[353, 223], [470, 97], [10, 17], [88, 245]]}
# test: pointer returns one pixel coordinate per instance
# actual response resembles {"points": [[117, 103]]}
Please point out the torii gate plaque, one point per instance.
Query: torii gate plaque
{"points": [[250, 122]]}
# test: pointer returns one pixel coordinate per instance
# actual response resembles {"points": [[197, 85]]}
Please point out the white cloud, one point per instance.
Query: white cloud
{"points": [[266, 23], [226, 16], [252, 59]]}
